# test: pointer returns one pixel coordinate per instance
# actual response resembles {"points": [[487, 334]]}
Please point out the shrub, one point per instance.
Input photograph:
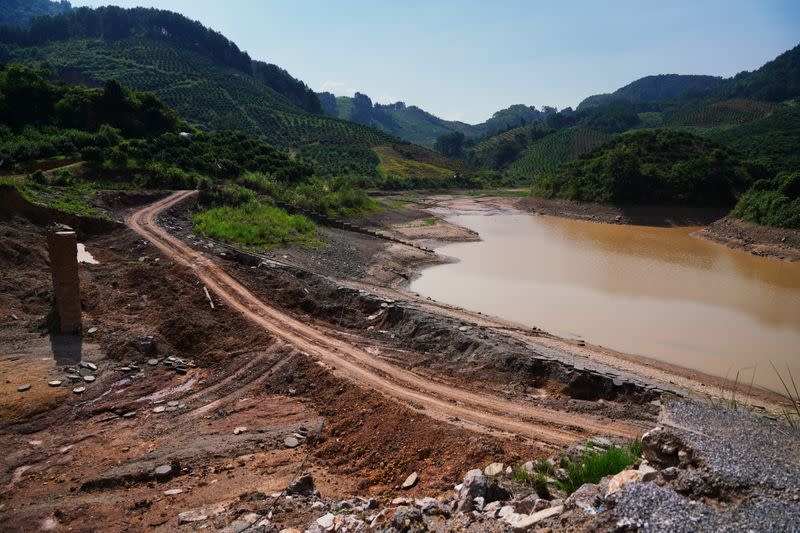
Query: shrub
{"points": [[39, 177], [594, 466]]}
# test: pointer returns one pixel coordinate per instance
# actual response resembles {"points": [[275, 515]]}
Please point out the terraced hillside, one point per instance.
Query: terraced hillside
{"points": [[205, 77], [552, 151], [726, 112]]}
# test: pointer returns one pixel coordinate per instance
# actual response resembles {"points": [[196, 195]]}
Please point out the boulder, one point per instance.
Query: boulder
{"points": [[304, 485], [620, 480], [664, 449], [493, 469], [647, 472], [587, 497]]}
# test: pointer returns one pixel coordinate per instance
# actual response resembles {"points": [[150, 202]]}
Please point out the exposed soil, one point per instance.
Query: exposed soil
{"points": [[636, 215], [323, 346], [777, 243]]}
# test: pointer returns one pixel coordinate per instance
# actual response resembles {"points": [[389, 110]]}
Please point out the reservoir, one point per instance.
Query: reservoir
{"points": [[657, 292]]}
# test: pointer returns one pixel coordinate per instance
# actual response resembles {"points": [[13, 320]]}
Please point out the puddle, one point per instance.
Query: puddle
{"points": [[84, 256]]}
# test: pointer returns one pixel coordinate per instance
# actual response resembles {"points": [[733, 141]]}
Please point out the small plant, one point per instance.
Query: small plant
{"points": [[39, 178], [536, 479], [594, 466], [429, 221]]}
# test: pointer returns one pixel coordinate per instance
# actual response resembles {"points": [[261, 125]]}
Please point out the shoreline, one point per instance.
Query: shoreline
{"points": [[693, 381]]}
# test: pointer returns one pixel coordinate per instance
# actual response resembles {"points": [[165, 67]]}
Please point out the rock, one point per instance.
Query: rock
{"points": [[172, 492], [601, 442], [129, 414], [91, 330], [493, 469], [523, 522], [152, 362], [402, 501], [647, 472], [173, 403], [557, 502], [88, 379], [304, 485], [529, 467], [428, 505], [372, 503], [669, 473], [620, 480], [326, 521], [163, 471], [159, 409], [491, 509], [291, 442], [404, 518], [125, 369], [195, 515], [663, 448], [74, 377], [504, 511], [23, 388], [586, 497], [88, 365], [239, 429], [79, 390], [478, 503], [495, 492], [410, 481], [55, 383], [474, 486]]}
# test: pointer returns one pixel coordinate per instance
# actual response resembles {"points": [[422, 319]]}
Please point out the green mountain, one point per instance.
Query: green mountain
{"points": [[19, 13], [653, 89], [417, 125], [201, 74], [651, 167]]}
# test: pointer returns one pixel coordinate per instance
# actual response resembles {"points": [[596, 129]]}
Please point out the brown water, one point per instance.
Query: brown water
{"points": [[652, 291]]}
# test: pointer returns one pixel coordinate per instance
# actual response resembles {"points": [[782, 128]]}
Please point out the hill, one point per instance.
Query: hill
{"points": [[201, 74], [549, 153], [653, 89], [651, 167], [417, 125], [19, 13]]}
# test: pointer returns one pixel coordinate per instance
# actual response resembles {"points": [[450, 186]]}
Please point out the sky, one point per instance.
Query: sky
{"points": [[464, 60]]}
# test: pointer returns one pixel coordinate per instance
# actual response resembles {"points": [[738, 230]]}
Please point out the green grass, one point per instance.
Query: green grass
{"points": [[595, 466], [73, 198], [429, 221], [256, 225]]}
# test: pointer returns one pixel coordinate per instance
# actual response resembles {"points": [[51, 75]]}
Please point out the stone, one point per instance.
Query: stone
{"points": [[428, 505], [88, 379], [474, 486], [372, 503], [125, 369], [23, 388], [239, 429], [326, 521], [492, 508], [404, 519], [195, 515], [74, 377], [523, 522], [130, 414], [159, 409], [172, 492], [647, 472], [304, 485], [504, 511], [478, 503], [558, 502], [586, 498], [152, 362], [91, 330], [620, 480], [601, 442], [55, 383], [291, 442], [173, 403], [410, 481], [669, 473], [663, 448], [79, 390], [493, 469], [163, 471], [89, 365]]}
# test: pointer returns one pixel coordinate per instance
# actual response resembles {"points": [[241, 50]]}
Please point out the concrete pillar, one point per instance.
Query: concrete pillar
{"points": [[63, 249]]}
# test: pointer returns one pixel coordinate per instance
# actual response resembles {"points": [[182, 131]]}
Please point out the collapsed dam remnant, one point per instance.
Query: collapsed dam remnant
{"points": [[63, 249]]}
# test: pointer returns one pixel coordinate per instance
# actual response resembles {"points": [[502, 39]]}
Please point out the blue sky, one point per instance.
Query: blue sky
{"points": [[463, 60]]}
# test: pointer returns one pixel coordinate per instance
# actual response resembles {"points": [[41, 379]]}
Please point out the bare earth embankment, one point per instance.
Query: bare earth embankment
{"points": [[204, 411]]}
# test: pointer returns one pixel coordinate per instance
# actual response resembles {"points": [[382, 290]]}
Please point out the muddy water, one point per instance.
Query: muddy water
{"points": [[651, 291]]}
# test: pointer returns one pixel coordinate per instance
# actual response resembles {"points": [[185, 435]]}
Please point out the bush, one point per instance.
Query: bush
{"points": [[772, 202], [229, 195]]}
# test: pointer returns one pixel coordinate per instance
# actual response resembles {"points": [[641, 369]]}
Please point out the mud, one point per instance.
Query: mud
{"points": [[764, 241]]}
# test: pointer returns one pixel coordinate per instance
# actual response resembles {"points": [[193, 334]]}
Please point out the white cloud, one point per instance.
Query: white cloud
{"points": [[385, 99], [339, 88]]}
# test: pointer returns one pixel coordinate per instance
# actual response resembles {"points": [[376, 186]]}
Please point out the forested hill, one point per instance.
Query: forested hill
{"points": [[419, 126], [205, 77], [114, 24], [653, 89], [19, 13]]}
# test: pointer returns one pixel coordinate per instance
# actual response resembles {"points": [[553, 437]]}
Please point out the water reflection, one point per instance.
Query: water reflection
{"points": [[654, 291]]}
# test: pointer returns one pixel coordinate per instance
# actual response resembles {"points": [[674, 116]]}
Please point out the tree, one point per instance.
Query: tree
{"points": [[450, 144]]}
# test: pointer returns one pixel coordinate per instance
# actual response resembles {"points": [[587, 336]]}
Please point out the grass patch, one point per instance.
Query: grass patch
{"points": [[73, 197], [594, 466], [256, 225], [536, 479], [429, 221]]}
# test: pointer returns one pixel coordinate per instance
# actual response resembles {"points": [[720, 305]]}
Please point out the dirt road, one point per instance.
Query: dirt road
{"points": [[440, 401]]}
